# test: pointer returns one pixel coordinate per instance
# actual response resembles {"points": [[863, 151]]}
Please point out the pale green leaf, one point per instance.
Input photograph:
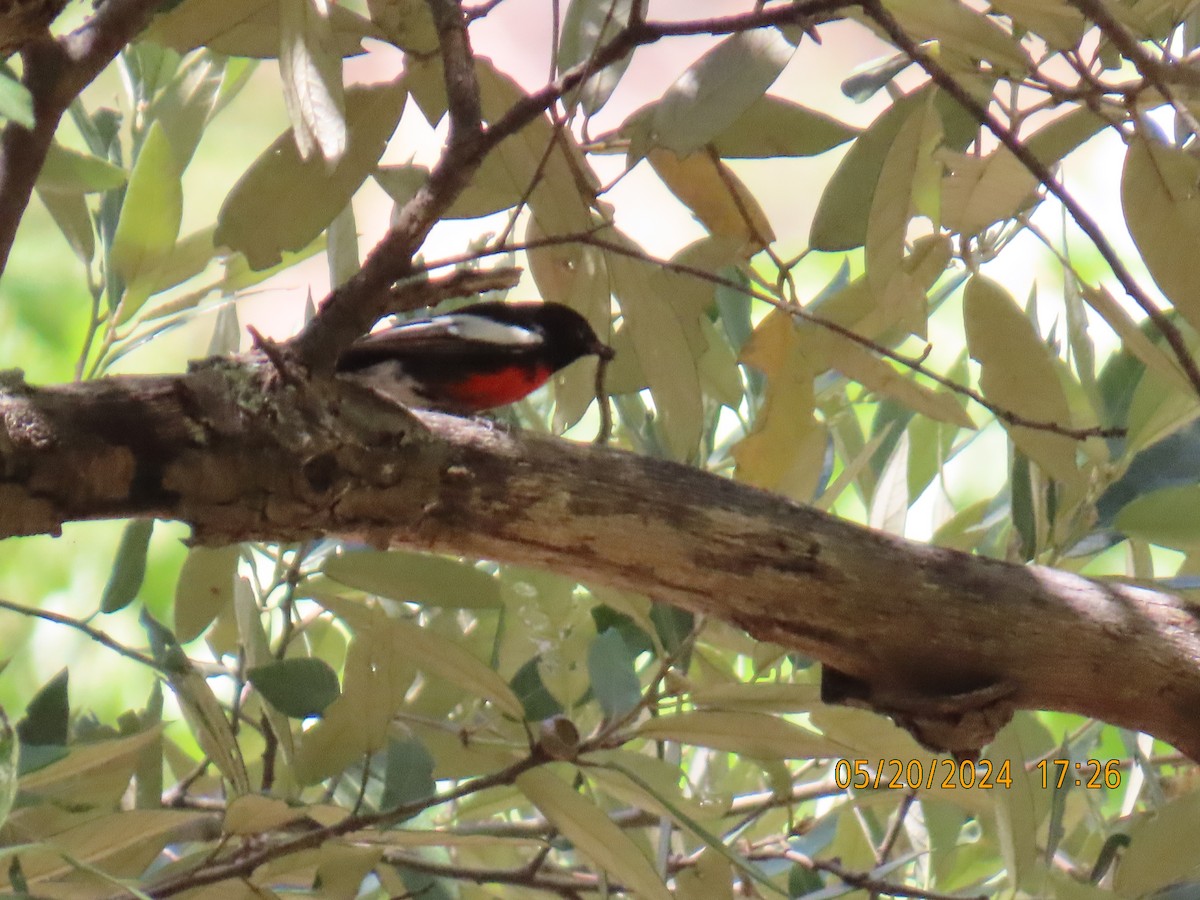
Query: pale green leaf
{"points": [[746, 733], [1019, 375], [1162, 209], [963, 29], [586, 826], [247, 28], [149, 220], [1061, 24], [205, 587], [664, 353], [16, 103], [311, 71], [981, 191], [71, 215], [588, 25], [415, 578], [74, 172], [283, 202], [129, 566], [718, 88], [1169, 517], [772, 127]]}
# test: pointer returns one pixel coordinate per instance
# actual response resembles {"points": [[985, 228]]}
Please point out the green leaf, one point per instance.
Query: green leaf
{"points": [[408, 777], [962, 29], [660, 339], [587, 25], [16, 103], [536, 700], [1162, 210], [1019, 374], [129, 566], [1052, 142], [718, 88], [149, 220], [248, 28], [981, 191], [1169, 517], [840, 222], [10, 764], [205, 587], [311, 71], [747, 733], [71, 215], [415, 578], [613, 674], [298, 688], [772, 127], [1061, 24], [282, 203], [586, 826], [48, 716], [73, 172]]}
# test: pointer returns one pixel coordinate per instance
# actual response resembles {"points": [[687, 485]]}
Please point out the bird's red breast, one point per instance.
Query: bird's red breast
{"points": [[486, 390]]}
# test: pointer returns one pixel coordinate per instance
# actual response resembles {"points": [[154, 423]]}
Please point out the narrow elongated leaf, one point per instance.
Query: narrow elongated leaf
{"points": [[660, 340], [1018, 373], [587, 25], [205, 587], [595, 835], [1162, 210], [611, 669], [907, 185], [772, 127], [284, 202], [747, 733], [149, 221], [311, 71], [129, 566], [73, 172], [415, 578], [963, 29], [718, 88]]}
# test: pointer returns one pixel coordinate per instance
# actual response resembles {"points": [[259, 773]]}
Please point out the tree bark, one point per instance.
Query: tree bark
{"points": [[946, 643]]}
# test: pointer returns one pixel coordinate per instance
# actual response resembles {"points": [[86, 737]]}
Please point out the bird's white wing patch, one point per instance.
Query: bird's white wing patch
{"points": [[477, 329]]}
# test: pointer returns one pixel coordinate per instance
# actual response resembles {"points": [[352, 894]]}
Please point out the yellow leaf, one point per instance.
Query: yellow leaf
{"points": [[786, 450], [717, 197]]}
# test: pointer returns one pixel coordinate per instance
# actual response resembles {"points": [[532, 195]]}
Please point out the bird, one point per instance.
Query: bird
{"points": [[474, 359]]}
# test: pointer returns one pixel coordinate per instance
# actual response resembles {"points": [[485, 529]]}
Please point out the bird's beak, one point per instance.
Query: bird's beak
{"points": [[603, 351]]}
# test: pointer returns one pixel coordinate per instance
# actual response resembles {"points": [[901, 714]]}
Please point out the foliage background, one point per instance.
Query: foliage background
{"points": [[1025, 839]]}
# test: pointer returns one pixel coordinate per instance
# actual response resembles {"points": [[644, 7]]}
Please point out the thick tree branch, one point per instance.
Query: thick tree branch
{"points": [[240, 457]]}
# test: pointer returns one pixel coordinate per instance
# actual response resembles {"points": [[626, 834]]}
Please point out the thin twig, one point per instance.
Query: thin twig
{"points": [[875, 10], [98, 636]]}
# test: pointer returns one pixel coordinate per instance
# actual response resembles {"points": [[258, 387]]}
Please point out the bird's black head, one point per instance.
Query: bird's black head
{"points": [[566, 333]]}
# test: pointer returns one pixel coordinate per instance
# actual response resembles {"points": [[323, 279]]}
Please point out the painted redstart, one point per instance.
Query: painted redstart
{"points": [[475, 358]]}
